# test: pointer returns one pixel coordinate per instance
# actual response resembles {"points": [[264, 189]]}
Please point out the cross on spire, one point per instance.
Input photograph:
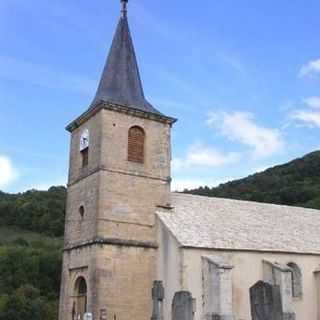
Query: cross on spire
{"points": [[124, 8]]}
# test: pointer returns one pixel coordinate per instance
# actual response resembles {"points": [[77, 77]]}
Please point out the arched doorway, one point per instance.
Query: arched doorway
{"points": [[80, 304]]}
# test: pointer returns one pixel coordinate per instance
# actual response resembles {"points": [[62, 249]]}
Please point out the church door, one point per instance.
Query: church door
{"points": [[81, 299]]}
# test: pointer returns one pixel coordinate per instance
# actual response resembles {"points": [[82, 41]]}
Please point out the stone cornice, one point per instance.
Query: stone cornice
{"points": [[118, 108], [258, 251], [128, 173], [112, 241]]}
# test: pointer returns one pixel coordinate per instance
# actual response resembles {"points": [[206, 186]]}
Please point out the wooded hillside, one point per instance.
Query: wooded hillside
{"points": [[31, 229], [296, 183]]}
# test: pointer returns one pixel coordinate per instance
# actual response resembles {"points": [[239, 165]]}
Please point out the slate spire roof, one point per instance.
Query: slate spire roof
{"points": [[120, 81], [120, 88]]}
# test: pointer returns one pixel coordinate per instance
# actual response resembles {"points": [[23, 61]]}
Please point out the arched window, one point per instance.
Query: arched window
{"points": [[80, 306], [296, 280], [136, 138]]}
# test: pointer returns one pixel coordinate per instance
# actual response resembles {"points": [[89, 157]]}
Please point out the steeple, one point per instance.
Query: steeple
{"points": [[120, 81]]}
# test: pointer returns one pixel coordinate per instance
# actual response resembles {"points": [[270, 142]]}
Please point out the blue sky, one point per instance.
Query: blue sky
{"points": [[243, 77]]}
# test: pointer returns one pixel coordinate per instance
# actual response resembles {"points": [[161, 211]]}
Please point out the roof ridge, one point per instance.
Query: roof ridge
{"points": [[245, 201]]}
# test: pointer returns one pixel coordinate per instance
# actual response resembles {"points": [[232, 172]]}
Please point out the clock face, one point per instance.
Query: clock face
{"points": [[84, 140]]}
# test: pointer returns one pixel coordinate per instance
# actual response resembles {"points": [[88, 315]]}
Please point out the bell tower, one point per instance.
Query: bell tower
{"points": [[119, 174]]}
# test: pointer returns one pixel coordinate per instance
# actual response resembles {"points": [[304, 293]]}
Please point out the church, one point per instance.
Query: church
{"points": [[134, 250]]}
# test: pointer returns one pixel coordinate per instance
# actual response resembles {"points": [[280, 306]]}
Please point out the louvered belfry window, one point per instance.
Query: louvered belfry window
{"points": [[136, 138]]}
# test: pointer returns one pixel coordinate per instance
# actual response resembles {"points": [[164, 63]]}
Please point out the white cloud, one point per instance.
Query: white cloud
{"points": [[312, 67], [309, 114], [241, 127], [313, 102], [182, 184], [202, 156], [308, 117], [7, 172], [44, 185]]}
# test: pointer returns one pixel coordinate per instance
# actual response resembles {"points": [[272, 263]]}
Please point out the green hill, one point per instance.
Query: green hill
{"points": [[38, 211], [31, 229], [296, 183]]}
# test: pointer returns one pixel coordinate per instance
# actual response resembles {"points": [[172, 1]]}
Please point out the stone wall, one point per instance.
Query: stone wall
{"points": [[84, 193], [113, 246], [119, 196], [216, 288], [118, 279], [248, 269], [77, 263], [169, 266], [114, 145], [76, 172], [281, 276]]}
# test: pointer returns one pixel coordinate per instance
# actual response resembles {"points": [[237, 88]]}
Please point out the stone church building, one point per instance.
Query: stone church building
{"points": [[134, 250]]}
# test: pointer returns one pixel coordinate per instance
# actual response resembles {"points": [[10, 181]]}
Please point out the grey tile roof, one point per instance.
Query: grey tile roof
{"points": [[120, 81], [241, 225]]}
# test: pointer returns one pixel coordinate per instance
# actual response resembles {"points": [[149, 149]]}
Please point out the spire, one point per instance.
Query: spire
{"points": [[120, 81]]}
